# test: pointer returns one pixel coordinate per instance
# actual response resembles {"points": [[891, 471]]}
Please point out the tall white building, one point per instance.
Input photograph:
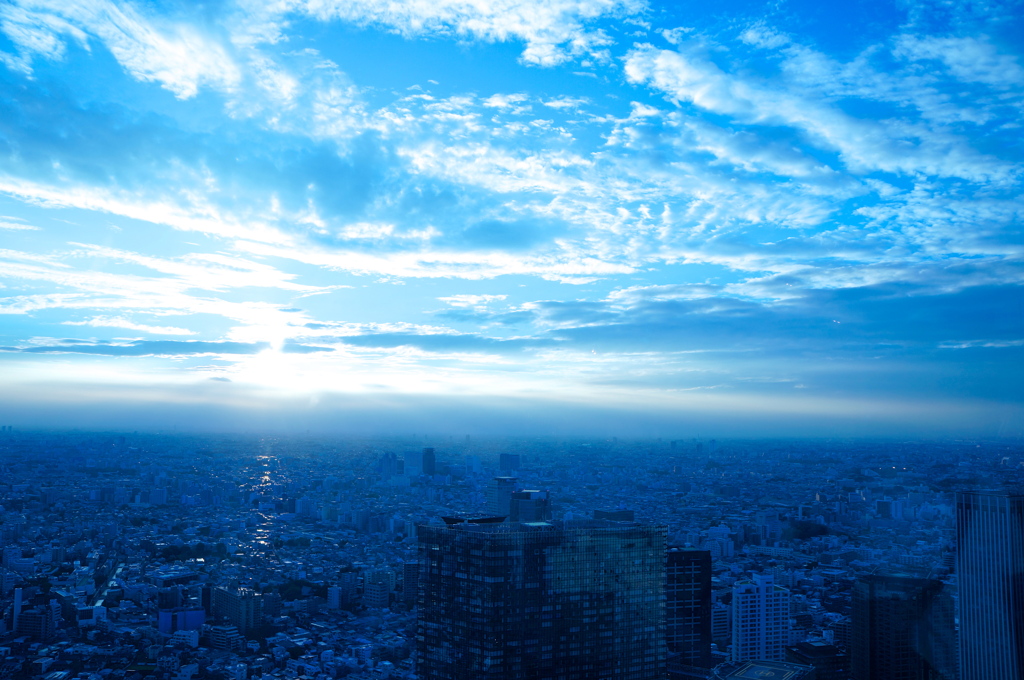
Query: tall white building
{"points": [[760, 620]]}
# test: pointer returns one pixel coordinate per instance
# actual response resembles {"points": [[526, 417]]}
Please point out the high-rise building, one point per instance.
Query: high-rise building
{"points": [[345, 591], [688, 606], [760, 619], [410, 583], [386, 576], [388, 465], [420, 463], [499, 496], [508, 462], [903, 627], [376, 595], [242, 607], [40, 622], [573, 600], [530, 505], [721, 624], [990, 572]]}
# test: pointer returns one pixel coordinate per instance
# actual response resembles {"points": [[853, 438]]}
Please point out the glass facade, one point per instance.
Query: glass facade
{"points": [[903, 629], [544, 601], [990, 569], [688, 606]]}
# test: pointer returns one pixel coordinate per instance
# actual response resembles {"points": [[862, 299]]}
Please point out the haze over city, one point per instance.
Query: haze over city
{"points": [[586, 216]]}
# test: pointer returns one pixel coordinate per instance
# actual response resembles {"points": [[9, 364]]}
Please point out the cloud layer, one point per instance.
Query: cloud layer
{"points": [[591, 196]]}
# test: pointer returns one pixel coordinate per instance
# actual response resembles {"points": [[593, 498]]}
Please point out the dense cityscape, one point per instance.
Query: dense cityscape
{"points": [[130, 555]]}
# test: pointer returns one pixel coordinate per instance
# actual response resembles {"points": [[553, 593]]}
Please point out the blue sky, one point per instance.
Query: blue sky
{"points": [[578, 216]]}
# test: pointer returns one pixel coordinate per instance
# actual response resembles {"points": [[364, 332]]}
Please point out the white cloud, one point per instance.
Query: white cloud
{"points": [[121, 322], [904, 147], [106, 291], [566, 102], [16, 226], [192, 212], [512, 102], [970, 59], [553, 30], [475, 301], [678, 291], [176, 55], [763, 36], [205, 271]]}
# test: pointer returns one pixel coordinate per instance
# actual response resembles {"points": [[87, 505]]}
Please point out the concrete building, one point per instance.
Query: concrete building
{"points": [[760, 619]]}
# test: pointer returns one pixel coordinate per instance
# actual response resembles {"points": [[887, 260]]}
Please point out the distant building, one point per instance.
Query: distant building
{"points": [[760, 619], [530, 506], [167, 577], [990, 573], [508, 462], [225, 637], [829, 662], [242, 607], [903, 627], [721, 617], [410, 582], [521, 601], [615, 515], [335, 597], [420, 463], [499, 496], [688, 605], [40, 622], [344, 592], [376, 595], [169, 621], [388, 465], [386, 576]]}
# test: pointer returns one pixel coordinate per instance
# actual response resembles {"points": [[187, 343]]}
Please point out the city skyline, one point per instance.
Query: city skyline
{"points": [[238, 557], [582, 217]]}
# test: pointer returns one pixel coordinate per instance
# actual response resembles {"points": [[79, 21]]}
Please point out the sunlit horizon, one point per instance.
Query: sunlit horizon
{"points": [[568, 217]]}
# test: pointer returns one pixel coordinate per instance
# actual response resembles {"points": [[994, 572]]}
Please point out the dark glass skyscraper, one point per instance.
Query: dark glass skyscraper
{"points": [[990, 569], [688, 606], [903, 629], [541, 601]]}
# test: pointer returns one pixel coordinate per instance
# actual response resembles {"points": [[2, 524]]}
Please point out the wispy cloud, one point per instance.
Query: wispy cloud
{"points": [[16, 224], [166, 348], [121, 322], [476, 301], [175, 54], [553, 31], [730, 208]]}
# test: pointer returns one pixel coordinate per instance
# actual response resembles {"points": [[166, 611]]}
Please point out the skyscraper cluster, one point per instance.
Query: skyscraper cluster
{"points": [[607, 599], [572, 601]]}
